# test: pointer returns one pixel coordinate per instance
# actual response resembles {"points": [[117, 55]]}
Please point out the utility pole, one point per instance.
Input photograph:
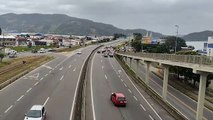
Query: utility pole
{"points": [[177, 26]]}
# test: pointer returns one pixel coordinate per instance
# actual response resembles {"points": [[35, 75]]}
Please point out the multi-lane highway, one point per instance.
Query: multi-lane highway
{"points": [[53, 85], [107, 76]]}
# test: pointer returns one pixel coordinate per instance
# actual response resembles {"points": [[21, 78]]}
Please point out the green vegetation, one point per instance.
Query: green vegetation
{"points": [[26, 48], [2, 55]]}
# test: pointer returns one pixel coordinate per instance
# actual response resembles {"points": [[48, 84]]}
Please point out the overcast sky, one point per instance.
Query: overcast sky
{"points": [[156, 15]]}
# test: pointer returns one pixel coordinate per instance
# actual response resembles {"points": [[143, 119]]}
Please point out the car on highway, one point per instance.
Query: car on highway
{"points": [[99, 51], [36, 112], [105, 54], [118, 99], [42, 50], [79, 52], [111, 54]]}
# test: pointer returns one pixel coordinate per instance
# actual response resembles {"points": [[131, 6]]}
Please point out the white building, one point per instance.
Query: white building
{"points": [[210, 46]]}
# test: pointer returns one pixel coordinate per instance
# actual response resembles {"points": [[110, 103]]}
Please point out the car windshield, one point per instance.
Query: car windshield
{"points": [[121, 98], [34, 114]]}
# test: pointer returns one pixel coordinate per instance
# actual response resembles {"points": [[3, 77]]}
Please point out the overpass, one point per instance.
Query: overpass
{"points": [[202, 65]]}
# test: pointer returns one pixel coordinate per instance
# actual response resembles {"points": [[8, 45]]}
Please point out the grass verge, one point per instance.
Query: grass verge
{"points": [[32, 62]]}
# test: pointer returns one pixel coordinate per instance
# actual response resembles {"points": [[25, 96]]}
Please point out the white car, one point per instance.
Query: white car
{"points": [[37, 112], [42, 50], [79, 52]]}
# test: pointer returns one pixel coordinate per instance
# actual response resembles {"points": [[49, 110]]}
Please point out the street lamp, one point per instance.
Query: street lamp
{"points": [[177, 26]]}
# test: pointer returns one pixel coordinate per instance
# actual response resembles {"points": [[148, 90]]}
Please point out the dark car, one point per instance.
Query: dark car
{"points": [[34, 51], [118, 99]]}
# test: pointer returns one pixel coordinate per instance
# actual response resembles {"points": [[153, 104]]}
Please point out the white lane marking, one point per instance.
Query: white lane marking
{"points": [[70, 66], [119, 76], [36, 83], [122, 80], [8, 109], [101, 60], [20, 98], [47, 67], [141, 94], [105, 76], [91, 89], [41, 79], [135, 98], [75, 94], [29, 90], [61, 68], [151, 117], [56, 66], [125, 85], [142, 107], [129, 90], [46, 101], [62, 77], [50, 71], [45, 75], [102, 67], [74, 69]]}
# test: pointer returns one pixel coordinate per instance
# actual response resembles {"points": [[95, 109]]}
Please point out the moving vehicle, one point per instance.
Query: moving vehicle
{"points": [[118, 99], [79, 52], [111, 54], [105, 54], [42, 50], [12, 55], [37, 112]]}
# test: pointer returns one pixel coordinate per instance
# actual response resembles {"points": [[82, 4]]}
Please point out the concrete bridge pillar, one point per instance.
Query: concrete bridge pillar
{"points": [[201, 95], [130, 62], [165, 82], [137, 65], [147, 72]]}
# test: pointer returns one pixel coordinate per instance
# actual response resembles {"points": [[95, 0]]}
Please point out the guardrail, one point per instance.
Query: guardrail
{"points": [[195, 59]]}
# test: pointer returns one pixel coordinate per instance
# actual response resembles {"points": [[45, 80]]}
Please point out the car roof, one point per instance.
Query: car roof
{"points": [[36, 107], [120, 94]]}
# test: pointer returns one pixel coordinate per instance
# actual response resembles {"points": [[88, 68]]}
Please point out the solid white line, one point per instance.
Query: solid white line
{"points": [[151, 117], [105, 76], [74, 69], [141, 94], [75, 94], [36, 84], [62, 77], [20, 98], [46, 101], [45, 75], [129, 90], [142, 107], [41, 79], [29, 90], [70, 66], [135, 98], [8, 109], [91, 88], [125, 85]]}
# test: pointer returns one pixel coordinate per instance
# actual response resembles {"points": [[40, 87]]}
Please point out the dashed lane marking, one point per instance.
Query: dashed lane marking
{"points": [[20, 98], [74, 69], [129, 90], [142, 107], [151, 117], [46, 101], [8, 109], [29, 90], [135, 98], [62, 77], [125, 85], [105, 76]]}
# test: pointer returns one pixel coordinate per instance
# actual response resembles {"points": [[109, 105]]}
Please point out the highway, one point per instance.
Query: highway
{"points": [[186, 105], [52, 84], [107, 76]]}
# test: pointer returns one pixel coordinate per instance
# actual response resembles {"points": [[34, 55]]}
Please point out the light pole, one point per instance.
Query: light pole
{"points": [[177, 26]]}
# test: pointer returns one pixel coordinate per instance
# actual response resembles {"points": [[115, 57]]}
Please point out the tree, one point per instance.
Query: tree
{"points": [[2, 55], [171, 40], [137, 36], [137, 45]]}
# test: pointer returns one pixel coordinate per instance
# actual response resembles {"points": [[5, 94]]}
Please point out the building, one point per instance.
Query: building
{"points": [[210, 46], [7, 40]]}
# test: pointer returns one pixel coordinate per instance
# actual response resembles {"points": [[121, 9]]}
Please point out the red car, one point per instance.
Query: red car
{"points": [[118, 99]]}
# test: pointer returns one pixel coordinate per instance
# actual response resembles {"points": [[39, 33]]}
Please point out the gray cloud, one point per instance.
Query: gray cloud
{"points": [[155, 15]]}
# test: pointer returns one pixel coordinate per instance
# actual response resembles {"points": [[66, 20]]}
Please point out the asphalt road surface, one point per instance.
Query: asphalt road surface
{"points": [[107, 76], [53, 85]]}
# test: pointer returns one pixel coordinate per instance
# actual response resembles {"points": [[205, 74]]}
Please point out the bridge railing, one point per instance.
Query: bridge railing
{"points": [[195, 59]]}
